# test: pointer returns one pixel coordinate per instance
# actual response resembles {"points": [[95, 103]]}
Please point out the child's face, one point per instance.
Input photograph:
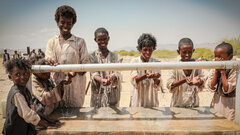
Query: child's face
{"points": [[221, 54], [19, 77], [102, 40], [185, 52], [147, 52], [43, 76], [65, 25]]}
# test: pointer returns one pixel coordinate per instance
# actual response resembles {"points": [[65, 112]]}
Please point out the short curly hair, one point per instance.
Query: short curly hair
{"points": [[227, 46], [65, 11], [100, 30], [185, 41], [20, 63], [146, 39]]}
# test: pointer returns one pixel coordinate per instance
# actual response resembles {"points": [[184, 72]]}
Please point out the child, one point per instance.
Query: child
{"points": [[223, 83], [46, 94], [20, 118], [68, 49], [185, 84], [145, 84], [105, 85]]}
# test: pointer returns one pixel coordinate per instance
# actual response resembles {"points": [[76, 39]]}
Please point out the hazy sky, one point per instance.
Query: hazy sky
{"points": [[31, 22]]}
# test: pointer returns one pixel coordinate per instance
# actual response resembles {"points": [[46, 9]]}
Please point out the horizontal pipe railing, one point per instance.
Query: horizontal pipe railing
{"points": [[137, 66], [150, 66]]}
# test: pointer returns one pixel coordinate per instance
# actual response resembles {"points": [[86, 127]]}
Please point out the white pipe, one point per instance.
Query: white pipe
{"points": [[150, 66], [136, 66], [237, 101]]}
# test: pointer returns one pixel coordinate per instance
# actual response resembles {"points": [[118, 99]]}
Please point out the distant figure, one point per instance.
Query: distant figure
{"points": [[223, 83], [6, 56], [105, 85], [66, 48], [15, 55], [33, 56], [32, 53], [145, 83], [40, 54], [185, 84]]}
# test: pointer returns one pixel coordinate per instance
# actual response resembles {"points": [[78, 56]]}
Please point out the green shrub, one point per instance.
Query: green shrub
{"points": [[164, 54], [235, 42], [203, 53]]}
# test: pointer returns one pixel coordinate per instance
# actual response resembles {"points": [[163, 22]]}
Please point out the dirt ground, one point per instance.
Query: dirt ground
{"points": [[164, 98]]}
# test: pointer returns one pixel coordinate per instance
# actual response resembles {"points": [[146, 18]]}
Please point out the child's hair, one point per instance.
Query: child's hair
{"points": [[100, 30], [20, 63], [146, 40], [227, 46], [65, 11], [185, 41]]}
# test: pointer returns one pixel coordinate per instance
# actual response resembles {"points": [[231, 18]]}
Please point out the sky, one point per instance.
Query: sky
{"points": [[207, 22]]}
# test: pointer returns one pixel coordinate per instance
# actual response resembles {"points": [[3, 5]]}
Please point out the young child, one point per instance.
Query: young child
{"points": [[20, 118], [46, 94], [185, 84], [105, 85], [145, 84], [223, 83], [68, 49]]}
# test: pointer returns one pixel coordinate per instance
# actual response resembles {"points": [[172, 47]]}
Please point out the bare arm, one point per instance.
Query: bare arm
{"points": [[140, 78], [214, 79], [224, 80], [178, 83]]}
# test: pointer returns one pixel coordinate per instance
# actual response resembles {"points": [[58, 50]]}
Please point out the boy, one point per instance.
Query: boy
{"points": [[66, 48], [223, 83], [46, 94], [147, 83], [185, 84], [20, 118], [106, 85]]}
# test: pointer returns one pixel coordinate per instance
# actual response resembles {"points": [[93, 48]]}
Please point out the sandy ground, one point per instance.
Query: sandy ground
{"points": [[164, 98]]}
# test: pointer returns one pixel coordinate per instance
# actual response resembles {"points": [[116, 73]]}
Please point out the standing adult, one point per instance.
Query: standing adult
{"points": [[6, 56]]}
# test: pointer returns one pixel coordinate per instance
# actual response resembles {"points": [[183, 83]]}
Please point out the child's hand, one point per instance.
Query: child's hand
{"points": [[197, 81], [218, 59], [67, 80], [52, 63], [188, 81], [153, 75], [105, 82]]}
